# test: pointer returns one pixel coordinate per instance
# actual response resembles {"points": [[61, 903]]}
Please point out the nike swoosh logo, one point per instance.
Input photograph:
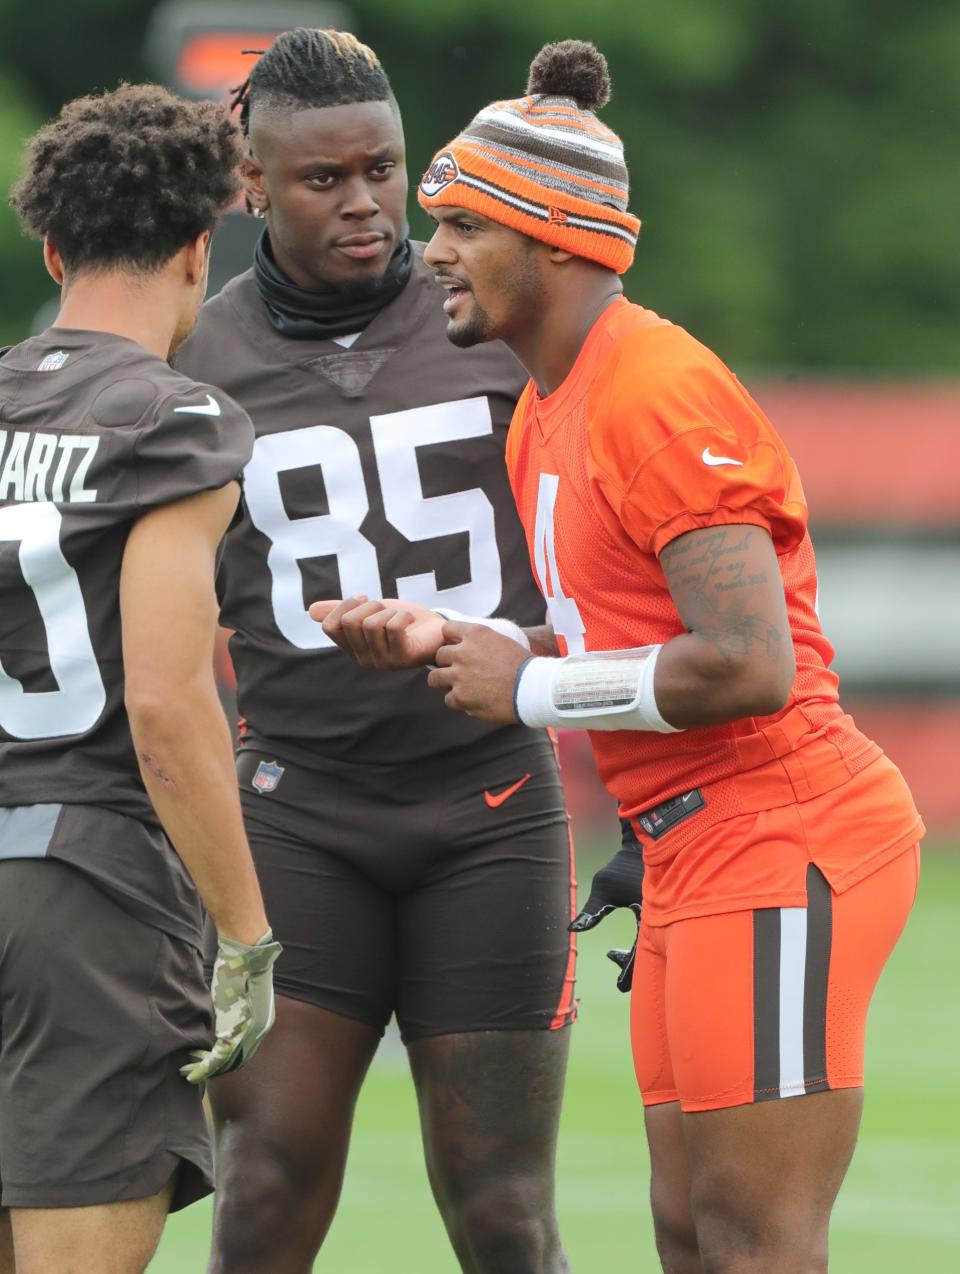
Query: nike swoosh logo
{"points": [[496, 800], [210, 408], [708, 458]]}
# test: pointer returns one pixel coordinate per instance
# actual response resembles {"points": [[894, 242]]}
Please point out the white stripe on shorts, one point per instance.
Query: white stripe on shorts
{"points": [[793, 960]]}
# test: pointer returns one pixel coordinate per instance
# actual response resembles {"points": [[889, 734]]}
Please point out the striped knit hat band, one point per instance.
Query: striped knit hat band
{"points": [[545, 167]]}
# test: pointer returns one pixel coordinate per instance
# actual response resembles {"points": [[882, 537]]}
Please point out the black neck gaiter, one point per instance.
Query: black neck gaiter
{"points": [[304, 314]]}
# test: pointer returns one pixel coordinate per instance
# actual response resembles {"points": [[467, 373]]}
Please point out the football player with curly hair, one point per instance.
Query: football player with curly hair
{"points": [[118, 804]]}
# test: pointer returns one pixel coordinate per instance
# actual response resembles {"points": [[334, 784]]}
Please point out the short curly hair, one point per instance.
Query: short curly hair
{"points": [[127, 178]]}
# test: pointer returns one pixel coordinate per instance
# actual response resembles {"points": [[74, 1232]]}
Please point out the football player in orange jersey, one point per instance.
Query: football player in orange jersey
{"points": [[668, 531]]}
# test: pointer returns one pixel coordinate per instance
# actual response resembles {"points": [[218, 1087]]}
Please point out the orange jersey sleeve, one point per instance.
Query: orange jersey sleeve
{"points": [[682, 445]]}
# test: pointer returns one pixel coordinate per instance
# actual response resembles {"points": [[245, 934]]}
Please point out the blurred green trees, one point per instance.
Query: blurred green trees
{"points": [[794, 165]]}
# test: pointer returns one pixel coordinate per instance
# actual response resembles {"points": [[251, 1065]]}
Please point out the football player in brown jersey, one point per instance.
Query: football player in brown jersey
{"points": [[118, 477], [413, 862]]}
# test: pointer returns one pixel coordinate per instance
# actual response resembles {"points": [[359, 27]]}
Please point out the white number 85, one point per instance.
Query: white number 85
{"points": [[337, 533]]}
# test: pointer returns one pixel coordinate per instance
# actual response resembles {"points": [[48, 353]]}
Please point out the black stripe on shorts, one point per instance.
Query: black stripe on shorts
{"points": [[816, 976], [766, 1004], [791, 969]]}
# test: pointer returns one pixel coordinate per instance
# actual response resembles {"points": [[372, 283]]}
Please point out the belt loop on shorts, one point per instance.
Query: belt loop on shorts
{"points": [[773, 741]]}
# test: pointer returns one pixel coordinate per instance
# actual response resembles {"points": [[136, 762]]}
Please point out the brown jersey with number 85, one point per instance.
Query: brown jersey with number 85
{"points": [[378, 469]]}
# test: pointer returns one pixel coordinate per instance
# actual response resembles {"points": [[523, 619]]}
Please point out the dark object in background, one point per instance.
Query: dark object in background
{"points": [[198, 50]]}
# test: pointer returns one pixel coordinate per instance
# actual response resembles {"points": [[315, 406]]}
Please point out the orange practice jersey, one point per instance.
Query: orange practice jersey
{"points": [[648, 437]]}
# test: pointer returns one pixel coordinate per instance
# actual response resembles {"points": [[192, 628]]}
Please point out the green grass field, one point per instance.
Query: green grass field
{"points": [[900, 1206]]}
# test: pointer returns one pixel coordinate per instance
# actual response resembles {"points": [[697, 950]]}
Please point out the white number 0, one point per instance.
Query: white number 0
{"points": [[76, 706], [396, 437]]}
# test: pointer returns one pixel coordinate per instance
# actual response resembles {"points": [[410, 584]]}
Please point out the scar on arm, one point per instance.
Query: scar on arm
{"points": [[153, 765]]}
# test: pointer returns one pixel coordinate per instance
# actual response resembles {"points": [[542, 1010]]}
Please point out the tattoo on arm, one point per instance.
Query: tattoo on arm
{"points": [[711, 584]]}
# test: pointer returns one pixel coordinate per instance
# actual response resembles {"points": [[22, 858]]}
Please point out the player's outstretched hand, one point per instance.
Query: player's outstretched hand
{"points": [[243, 1003], [477, 667], [618, 884], [388, 633]]}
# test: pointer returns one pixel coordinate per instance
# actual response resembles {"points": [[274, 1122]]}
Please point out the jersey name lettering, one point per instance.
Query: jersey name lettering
{"points": [[36, 466]]}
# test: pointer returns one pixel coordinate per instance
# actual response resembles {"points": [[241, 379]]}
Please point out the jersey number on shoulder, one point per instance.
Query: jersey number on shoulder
{"points": [[564, 612], [396, 437], [76, 706]]}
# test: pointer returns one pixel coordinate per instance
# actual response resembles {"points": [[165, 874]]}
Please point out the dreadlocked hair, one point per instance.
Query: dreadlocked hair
{"points": [[310, 66], [128, 178]]}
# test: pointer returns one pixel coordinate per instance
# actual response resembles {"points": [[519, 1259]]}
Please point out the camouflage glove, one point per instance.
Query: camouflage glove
{"points": [[242, 991], [618, 884]]}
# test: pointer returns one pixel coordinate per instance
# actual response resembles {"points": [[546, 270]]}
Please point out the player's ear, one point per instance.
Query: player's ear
{"points": [[196, 256], [53, 262], [254, 191], [559, 256]]}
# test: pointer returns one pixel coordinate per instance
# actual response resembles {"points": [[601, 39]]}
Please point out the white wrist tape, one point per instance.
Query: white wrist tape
{"points": [[602, 690], [505, 626]]}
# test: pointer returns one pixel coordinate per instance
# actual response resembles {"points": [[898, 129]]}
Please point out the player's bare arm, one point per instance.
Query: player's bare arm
{"points": [[179, 730], [392, 633], [183, 747], [736, 659]]}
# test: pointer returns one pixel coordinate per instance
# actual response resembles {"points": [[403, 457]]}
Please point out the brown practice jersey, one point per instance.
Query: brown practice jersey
{"points": [[94, 433], [377, 469]]}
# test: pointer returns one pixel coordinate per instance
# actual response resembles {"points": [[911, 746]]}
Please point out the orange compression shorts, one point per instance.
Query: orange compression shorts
{"points": [[750, 1006]]}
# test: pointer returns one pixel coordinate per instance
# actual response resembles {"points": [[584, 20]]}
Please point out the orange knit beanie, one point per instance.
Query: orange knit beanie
{"points": [[544, 164]]}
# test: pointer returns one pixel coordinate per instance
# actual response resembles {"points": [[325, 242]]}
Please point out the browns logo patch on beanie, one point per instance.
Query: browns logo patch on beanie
{"points": [[544, 164]]}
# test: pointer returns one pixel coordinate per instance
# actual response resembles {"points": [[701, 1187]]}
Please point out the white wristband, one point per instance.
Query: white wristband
{"points": [[603, 690], [504, 626]]}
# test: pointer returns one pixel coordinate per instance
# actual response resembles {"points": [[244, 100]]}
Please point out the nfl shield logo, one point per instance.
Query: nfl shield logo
{"points": [[52, 362], [267, 777]]}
